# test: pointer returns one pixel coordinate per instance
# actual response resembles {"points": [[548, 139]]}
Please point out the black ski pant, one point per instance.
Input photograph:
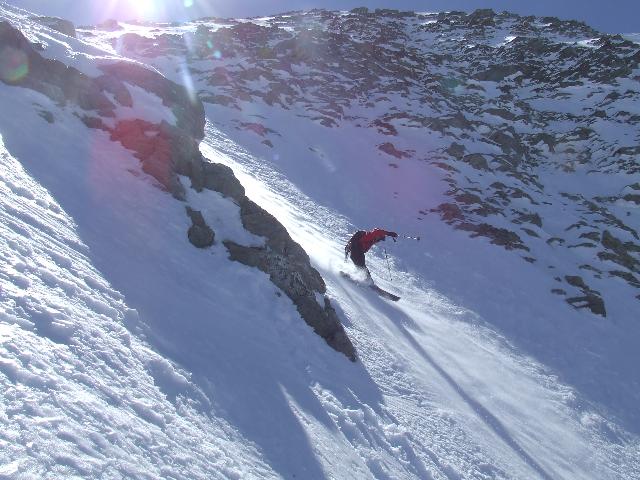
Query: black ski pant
{"points": [[357, 257]]}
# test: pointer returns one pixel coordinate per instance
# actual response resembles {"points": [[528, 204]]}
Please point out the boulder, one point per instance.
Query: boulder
{"points": [[456, 150], [199, 234], [220, 178]]}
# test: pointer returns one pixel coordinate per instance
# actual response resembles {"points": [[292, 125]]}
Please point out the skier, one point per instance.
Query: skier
{"points": [[361, 242]]}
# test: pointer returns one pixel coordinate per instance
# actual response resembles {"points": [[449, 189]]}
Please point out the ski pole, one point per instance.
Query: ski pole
{"points": [[388, 267], [409, 237]]}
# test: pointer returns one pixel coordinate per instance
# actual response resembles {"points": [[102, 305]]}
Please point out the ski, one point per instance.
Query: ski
{"points": [[383, 293]]}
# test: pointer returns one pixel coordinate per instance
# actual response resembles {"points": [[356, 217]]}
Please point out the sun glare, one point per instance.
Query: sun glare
{"points": [[147, 10], [144, 8], [133, 9]]}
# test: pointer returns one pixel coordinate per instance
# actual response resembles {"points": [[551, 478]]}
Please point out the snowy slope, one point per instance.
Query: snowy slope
{"points": [[128, 353], [83, 395], [529, 126], [444, 370]]}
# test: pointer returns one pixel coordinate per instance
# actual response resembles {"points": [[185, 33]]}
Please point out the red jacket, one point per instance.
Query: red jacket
{"points": [[366, 241]]}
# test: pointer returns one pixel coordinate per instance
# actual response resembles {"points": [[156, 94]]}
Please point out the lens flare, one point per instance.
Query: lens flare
{"points": [[144, 7], [146, 10], [187, 82], [14, 65]]}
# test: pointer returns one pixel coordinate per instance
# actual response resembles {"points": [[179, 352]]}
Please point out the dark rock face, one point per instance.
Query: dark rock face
{"points": [[390, 149], [590, 298], [289, 276], [23, 66], [199, 234], [220, 178], [58, 24], [289, 268]]}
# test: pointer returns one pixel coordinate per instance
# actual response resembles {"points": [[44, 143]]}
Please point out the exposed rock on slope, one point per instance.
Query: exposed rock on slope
{"points": [[167, 149], [58, 24], [200, 234], [528, 112], [284, 260]]}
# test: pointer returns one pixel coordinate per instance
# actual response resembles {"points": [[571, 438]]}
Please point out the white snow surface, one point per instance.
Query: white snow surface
{"points": [[127, 353]]}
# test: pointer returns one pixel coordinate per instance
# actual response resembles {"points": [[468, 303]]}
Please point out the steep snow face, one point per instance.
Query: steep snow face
{"points": [[521, 131], [128, 353], [444, 370], [82, 394]]}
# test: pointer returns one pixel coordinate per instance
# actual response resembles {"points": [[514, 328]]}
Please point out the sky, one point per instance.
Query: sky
{"points": [[612, 16]]}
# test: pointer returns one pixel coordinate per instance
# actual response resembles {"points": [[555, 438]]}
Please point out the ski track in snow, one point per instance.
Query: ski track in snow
{"points": [[444, 374]]}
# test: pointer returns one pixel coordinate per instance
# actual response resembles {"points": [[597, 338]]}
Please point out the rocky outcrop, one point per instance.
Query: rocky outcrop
{"points": [[23, 66], [189, 111], [288, 274], [161, 147], [589, 299], [289, 268], [284, 260], [109, 25], [58, 24], [390, 149], [167, 150], [200, 234]]}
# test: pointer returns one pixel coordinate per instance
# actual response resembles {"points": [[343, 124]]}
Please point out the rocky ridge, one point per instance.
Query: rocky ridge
{"points": [[167, 149], [517, 102]]}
